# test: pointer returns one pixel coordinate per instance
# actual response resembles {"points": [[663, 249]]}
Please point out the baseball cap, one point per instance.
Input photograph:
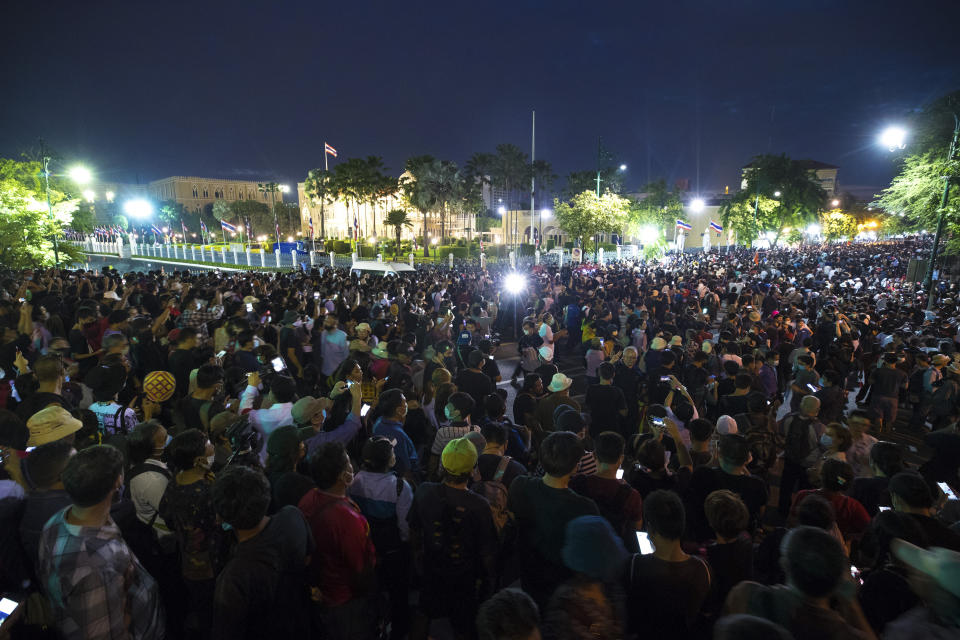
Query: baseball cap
{"points": [[305, 409], [459, 457], [283, 441]]}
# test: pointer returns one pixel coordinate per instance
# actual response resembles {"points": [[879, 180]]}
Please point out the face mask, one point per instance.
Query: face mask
{"points": [[256, 343], [210, 461], [823, 382], [826, 441], [447, 412], [169, 438]]}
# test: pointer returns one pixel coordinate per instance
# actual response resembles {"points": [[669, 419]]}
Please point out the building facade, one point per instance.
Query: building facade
{"points": [[826, 175], [194, 193]]}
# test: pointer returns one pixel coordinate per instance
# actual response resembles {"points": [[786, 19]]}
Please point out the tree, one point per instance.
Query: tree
{"points": [[416, 191], [913, 198], [780, 192], [398, 219], [319, 187], [586, 215], [837, 224], [121, 221], [443, 179], [253, 211], [26, 235], [659, 208], [511, 174]]}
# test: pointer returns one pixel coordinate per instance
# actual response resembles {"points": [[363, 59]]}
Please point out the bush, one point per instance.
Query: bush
{"points": [[550, 244], [458, 252], [339, 246], [568, 245], [461, 242]]}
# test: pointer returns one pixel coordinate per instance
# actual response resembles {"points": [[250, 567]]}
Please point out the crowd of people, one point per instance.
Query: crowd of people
{"points": [[342, 456]]}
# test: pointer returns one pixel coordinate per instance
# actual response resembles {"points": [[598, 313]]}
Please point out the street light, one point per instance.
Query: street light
{"points": [[893, 138], [649, 235], [514, 283], [80, 175], [110, 196], [138, 208], [813, 230], [835, 203], [89, 195], [623, 167], [776, 194], [501, 210], [697, 205]]}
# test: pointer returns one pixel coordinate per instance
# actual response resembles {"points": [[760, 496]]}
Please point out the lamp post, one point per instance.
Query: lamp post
{"points": [[893, 138], [620, 169], [80, 175]]}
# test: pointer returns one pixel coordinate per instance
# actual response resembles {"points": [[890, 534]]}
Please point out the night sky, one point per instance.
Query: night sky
{"points": [[252, 90]]}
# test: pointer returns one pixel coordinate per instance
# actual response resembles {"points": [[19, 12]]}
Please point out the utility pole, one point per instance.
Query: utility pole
{"points": [[56, 246]]}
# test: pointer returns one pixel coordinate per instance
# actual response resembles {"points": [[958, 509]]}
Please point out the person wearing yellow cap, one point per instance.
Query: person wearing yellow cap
{"points": [[454, 537]]}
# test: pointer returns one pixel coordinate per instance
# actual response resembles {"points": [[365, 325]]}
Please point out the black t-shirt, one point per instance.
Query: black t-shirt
{"points": [[706, 480], [478, 385], [730, 563], [542, 514], [192, 409], [487, 465], [732, 405], [605, 402], [182, 362], [458, 530], [79, 345], [885, 596], [872, 493], [247, 361], [262, 591], [523, 404], [289, 340], [664, 598], [40, 400]]}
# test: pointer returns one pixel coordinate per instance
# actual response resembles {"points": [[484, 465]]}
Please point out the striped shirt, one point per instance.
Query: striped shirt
{"points": [[97, 587], [446, 434]]}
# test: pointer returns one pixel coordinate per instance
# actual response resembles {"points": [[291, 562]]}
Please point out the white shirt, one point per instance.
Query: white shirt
{"points": [[265, 420], [146, 490]]}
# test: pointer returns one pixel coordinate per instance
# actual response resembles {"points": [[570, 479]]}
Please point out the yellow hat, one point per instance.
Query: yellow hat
{"points": [[459, 457], [50, 424], [159, 385]]}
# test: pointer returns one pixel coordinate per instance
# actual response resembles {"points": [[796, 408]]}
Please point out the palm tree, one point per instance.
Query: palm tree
{"points": [[511, 170], [398, 219], [349, 181], [319, 188], [417, 193], [443, 180], [371, 182]]}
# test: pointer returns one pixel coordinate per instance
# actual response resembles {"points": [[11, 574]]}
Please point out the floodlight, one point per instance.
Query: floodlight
{"points": [[138, 208], [697, 205], [514, 283], [893, 138], [80, 175]]}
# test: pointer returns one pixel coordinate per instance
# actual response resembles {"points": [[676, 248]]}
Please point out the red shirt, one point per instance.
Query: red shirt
{"points": [[852, 517], [344, 551]]}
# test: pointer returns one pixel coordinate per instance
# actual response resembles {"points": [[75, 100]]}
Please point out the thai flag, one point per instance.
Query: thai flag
{"points": [[203, 226], [227, 226], [157, 231], [716, 227], [356, 228], [310, 217], [684, 225], [330, 150]]}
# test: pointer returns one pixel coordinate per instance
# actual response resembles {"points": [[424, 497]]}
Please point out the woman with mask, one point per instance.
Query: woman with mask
{"points": [[187, 509]]}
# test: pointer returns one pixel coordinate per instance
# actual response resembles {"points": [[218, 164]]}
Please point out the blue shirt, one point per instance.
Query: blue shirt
{"points": [[404, 450]]}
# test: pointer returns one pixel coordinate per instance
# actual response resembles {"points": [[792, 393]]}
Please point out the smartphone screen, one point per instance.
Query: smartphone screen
{"points": [[221, 354], [646, 547], [277, 364], [947, 491], [316, 295], [364, 409], [7, 607], [619, 474], [884, 508], [249, 307], [812, 388], [657, 422], [664, 378]]}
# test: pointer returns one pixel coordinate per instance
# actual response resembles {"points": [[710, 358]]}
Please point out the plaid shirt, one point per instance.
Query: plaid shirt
{"points": [[196, 319], [97, 588]]}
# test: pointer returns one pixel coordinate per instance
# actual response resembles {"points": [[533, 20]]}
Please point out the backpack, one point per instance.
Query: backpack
{"points": [[796, 446], [140, 536], [762, 443], [496, 494]]}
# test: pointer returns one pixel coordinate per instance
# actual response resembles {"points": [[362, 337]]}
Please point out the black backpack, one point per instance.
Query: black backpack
{"points": [[384, 532], [797, 445]]}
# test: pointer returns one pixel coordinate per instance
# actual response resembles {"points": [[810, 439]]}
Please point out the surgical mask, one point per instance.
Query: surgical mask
{"points": [[826, 441], [256, 343], [210, 460], [823, 382], [447, 412]]}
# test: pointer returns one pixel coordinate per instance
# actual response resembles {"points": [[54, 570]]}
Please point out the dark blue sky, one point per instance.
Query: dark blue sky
{"points": [[254, 89]]}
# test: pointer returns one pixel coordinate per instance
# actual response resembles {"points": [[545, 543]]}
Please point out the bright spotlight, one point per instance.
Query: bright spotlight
{"points": [[648, 235], [893, 138], [546, 213], [697, 205], [89, 195], [813, 230], [166, 230], [80, 175], [284, 188], [501, 210], [372, 240], [110, 196], [138, 208], [289, 238], [514, 283], [776, 194], [434, 240], [623, 167], [835, 203]]}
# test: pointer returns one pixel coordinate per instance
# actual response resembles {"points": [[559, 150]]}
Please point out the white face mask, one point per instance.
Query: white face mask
{"points": [[826, 440], [210, 460]]}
